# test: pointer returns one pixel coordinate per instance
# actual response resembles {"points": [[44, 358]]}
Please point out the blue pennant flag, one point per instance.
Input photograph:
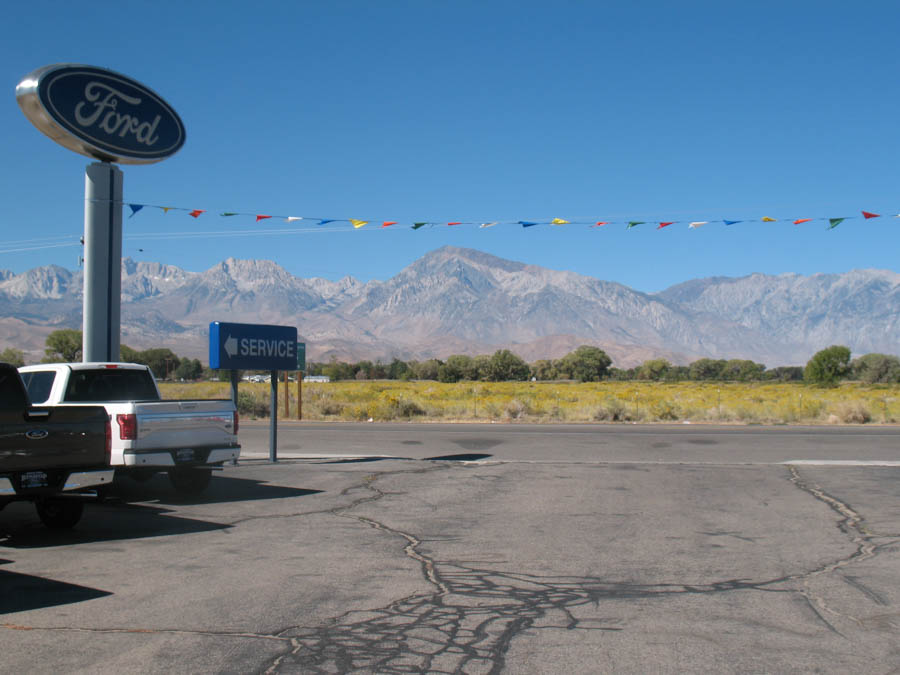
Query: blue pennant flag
{"points": [[135, 208]]}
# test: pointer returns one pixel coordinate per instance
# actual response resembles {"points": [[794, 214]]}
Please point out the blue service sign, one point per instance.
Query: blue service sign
{"points": [[100, 113], [247, 346]]}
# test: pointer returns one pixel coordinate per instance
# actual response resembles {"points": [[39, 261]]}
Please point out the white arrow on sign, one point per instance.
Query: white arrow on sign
{"points": [[231, 346]]}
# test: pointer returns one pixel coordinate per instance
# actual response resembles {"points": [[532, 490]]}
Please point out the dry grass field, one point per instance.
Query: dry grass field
{"points": [[426, 401]]}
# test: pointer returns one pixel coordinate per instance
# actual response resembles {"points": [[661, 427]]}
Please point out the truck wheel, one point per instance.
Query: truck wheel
{"points": [[190, 482], [59, 514]]}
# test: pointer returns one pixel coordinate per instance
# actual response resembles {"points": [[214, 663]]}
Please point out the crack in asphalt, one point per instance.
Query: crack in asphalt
{"points": [[853, 525], [470, 618]]}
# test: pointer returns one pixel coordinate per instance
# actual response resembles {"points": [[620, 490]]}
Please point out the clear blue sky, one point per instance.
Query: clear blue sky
{"points": [[481, 111]]}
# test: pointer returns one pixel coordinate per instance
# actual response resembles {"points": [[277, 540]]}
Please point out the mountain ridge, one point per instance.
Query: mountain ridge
{"points": [[457, 300]]}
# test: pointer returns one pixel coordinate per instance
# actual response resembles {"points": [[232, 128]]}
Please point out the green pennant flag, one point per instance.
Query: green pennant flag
{"points": [[228, 213], [834, 222], [632, 223], [416, 226]]}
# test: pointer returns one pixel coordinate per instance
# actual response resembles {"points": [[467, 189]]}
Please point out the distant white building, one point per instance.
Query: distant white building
{"points": [[317, 378]]}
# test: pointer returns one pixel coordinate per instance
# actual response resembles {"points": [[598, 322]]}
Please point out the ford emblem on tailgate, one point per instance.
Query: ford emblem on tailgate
{"points": [[100, 113]]}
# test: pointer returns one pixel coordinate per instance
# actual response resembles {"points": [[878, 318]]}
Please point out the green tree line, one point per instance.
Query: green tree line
{"points": [[585, 364]]}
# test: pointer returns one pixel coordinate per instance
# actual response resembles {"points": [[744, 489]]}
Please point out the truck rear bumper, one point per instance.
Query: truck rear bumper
{"points": [[168, 458], [77, 480]]}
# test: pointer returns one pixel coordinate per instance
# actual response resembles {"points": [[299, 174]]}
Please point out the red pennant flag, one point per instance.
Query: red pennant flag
{"points": [[802, 220], [259, 218], [601, 222], [459, 223], [868, 215], [388, 223], [196, 213], [662, 225]]}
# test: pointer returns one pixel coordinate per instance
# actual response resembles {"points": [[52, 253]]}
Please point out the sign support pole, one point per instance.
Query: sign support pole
{"points": [[234, 388], [101, 319], [273, 417]]}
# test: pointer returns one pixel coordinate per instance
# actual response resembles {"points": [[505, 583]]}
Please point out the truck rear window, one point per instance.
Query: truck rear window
{"points": [[97, 386], [38, 385]]}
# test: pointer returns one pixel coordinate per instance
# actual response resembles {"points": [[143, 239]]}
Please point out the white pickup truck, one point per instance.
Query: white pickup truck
{"points": [[186, 439]]}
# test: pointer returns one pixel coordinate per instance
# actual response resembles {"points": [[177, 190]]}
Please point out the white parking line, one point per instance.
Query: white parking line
{"points": [[842, 462]]}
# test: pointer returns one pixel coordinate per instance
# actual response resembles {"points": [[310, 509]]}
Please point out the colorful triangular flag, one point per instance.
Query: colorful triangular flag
{"points": [[633, 223], [358, 223], [291, 219], [483, 225], [600, 223], [229, 213], [697, 223], [135, 208], [834, 222], [662, 225], [867, 215], [326, 221], [766, 219], [388, 223], [456, 222], [802, 220], [416, 226], [259, 218], [559, 221], [196, 213], [527, 223]]}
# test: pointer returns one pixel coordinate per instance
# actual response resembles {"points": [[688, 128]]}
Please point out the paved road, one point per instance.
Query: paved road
{"points": [[479, 548]]}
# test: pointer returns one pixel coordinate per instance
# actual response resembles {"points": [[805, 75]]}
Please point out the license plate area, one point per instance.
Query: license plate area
{"points": [[34, 479], [184, 455]]}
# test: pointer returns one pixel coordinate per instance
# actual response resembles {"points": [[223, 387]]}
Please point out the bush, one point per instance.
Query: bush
{"points": [[852, 412], [516, 409], [252, 406], [612, 411]]}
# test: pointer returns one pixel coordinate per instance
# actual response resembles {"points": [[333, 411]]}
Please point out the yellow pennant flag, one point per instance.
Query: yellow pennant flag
{"points": [[358, 223], [766, 219], [559, 221]]}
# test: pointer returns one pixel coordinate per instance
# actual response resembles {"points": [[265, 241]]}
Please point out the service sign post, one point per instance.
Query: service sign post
{"points": [[116, 120], [246, 346]]}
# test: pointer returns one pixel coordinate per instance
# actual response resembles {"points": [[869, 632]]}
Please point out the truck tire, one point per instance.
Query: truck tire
{"points": [[59, 514], [190, 482]]}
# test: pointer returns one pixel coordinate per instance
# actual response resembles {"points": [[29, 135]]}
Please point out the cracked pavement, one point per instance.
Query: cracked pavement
{"points": [[542, 557]]}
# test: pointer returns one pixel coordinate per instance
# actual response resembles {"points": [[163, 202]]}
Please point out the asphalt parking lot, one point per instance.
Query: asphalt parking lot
{"points": [[479, 549]]}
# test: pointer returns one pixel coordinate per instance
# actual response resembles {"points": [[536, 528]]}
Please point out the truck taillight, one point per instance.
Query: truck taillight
{"points": [[127, 427], [235, 422], [108, 441]]}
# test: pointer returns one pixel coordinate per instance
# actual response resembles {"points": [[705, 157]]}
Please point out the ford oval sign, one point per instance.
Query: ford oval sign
{"points": [[100, 113]]}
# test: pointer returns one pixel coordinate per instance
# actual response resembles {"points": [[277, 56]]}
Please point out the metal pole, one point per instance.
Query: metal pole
{"points": [[234, 388], [299, 394], [101, 318], [287, 397], [273, 415]]}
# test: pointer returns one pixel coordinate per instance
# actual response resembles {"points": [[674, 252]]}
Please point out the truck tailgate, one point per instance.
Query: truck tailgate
{"points": [[184, 424], [63, 438]]}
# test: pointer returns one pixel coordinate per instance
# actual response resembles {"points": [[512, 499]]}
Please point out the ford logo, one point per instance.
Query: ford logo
{"points": [[100, 113]]}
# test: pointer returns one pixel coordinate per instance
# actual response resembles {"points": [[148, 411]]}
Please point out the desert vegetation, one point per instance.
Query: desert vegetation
{"points": [[550, 402], [583, 386]]}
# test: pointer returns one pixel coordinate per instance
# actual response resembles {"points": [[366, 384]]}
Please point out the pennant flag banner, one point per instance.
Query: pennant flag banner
{"points": [[830, 222]]}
